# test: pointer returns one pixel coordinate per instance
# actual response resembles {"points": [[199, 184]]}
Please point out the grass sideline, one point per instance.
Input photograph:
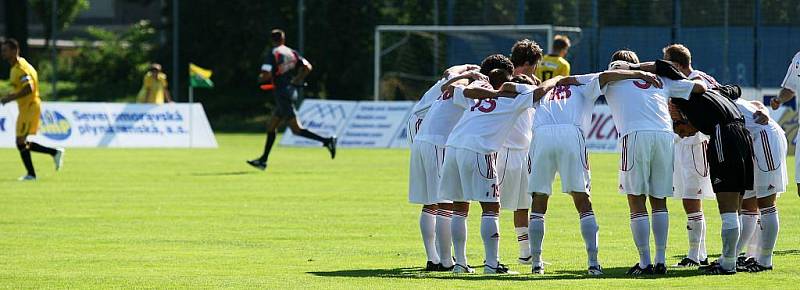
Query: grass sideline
{"points": [[158, 218]]}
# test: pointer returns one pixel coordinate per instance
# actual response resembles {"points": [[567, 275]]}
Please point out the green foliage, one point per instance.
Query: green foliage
{"points": [[111, 65], [66, 12]]}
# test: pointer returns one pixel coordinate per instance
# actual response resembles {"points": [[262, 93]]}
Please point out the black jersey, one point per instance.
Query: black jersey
{"points": [[714, 107]]}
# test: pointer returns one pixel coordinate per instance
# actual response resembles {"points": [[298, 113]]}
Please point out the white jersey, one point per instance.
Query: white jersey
{"points": [[792, 79], [639, 106], [710, 82], [521, 133], [748, 109], [424, 103], [442, 117], [485, 126], [569, 105]]}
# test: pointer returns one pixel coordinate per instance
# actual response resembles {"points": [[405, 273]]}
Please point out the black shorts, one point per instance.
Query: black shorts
{"points": [[730, 158], [284, 102]]}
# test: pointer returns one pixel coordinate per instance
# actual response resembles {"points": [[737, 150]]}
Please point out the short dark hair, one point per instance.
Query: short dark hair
{"points": [[525, 51], [495, 61], [523, 79], [625, 55], [11, 43], [277, 35], [561, 42], [678, 54], [498, 76]]}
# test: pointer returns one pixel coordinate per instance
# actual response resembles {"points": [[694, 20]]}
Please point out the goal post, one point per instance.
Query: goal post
{"points": [[406, 56]]}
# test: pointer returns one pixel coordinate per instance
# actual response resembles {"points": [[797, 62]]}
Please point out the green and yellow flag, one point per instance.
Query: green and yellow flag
{"points": [[199, 77]]}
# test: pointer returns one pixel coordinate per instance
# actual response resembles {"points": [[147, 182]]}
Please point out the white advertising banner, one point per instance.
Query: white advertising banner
{"points": [[602, 135], [375, 124], [326, 118], [115, 125]]}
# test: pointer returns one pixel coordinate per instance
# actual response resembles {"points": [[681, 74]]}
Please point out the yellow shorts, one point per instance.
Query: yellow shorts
{"points": [[28, 119]]}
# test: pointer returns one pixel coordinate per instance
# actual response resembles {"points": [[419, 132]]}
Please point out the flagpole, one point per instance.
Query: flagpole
{"points": [[191, 118]]}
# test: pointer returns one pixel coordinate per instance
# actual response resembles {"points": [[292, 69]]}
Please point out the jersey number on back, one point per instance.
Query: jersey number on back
{"points": [[561, 93], [485, 105]]}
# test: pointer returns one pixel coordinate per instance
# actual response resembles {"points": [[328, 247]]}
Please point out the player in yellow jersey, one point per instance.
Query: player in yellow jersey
{"points": [[554, 63], [25, 90]]}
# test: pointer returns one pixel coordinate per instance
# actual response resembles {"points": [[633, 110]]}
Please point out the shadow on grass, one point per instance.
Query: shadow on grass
{"points": [[775, 253], [233, 173], [418, 273]]}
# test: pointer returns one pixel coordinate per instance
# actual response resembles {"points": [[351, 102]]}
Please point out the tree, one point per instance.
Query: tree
{"points": [[66, 12]]}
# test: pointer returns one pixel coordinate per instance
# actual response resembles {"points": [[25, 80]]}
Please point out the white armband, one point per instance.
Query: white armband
{"points": [[266, 67]]}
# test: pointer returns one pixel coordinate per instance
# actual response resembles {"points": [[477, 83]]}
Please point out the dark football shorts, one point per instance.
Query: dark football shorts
{"points": [[284, 102], [730, 158]]}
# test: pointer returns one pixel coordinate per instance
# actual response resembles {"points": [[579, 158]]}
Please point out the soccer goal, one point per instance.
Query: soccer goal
{"points": [[409, 58]]}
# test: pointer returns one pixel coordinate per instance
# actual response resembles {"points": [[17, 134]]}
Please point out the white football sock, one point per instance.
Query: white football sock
{"points": [[524, 243], [427, 225], [703, 252], [770, 225], [747, 222], [589, 231], [754, 246], [661, 233], [730, 236], [695, 226], [444, 237], [640, 227], [490, 233], [459, 231], [536, 234]]}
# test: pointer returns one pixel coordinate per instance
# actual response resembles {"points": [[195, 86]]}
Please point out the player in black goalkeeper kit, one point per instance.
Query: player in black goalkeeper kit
{"points": [[730, 158]]}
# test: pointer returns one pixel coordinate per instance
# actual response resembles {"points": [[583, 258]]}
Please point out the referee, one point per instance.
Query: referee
{"points": [[286, 70]]}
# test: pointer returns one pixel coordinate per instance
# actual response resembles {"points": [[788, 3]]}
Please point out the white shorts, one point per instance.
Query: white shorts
{"points": [[412, 127], [769, 148], [513, 167], [646, 161], [562, 149], [468, 175], [691, 177], [423, 178]]}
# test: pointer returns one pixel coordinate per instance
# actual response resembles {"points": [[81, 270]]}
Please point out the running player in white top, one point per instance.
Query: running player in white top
{"points": [[423, 183], [469, 171], [691, 177], [789, 89], [770, 179], [642, 118], [559, 146], [513, 158]]}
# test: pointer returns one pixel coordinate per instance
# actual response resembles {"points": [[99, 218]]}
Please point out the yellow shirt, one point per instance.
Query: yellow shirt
{"points": [[552, 65], [23, 74], [156, 88]]}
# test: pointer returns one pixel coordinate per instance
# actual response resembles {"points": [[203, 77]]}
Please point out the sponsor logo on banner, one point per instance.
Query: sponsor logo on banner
{"points": [[602, 135], [55, 126], [375, 124], [326, 118], [116, 125]]}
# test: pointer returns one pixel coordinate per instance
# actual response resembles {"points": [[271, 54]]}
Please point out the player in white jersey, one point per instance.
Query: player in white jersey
{"points": [[691, 177], [423, 177], [642, 118], [469, 171], [770, 179], [420, 109], [789, 89], [513, 158], [559, 146]]}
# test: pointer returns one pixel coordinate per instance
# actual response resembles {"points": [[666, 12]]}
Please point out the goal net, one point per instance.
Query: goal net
{"points": [[410, 58]]}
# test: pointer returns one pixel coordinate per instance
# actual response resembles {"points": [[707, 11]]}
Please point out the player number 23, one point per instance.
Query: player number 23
{"points": [[485, 105]]}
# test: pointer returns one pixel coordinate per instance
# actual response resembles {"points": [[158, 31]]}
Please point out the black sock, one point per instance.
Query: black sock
{"points": [[268, 146], [312, 136], [25, 153], [35, 147]]}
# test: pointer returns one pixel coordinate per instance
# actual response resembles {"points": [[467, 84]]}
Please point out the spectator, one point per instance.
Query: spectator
{"points": [[154, 87]]}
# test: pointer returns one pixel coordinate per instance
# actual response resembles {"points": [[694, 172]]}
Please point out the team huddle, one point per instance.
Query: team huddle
{"points": [[497, 133]]}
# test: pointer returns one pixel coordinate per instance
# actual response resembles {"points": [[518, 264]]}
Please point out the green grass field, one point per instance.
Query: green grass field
{"points": [[203, 219]]}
